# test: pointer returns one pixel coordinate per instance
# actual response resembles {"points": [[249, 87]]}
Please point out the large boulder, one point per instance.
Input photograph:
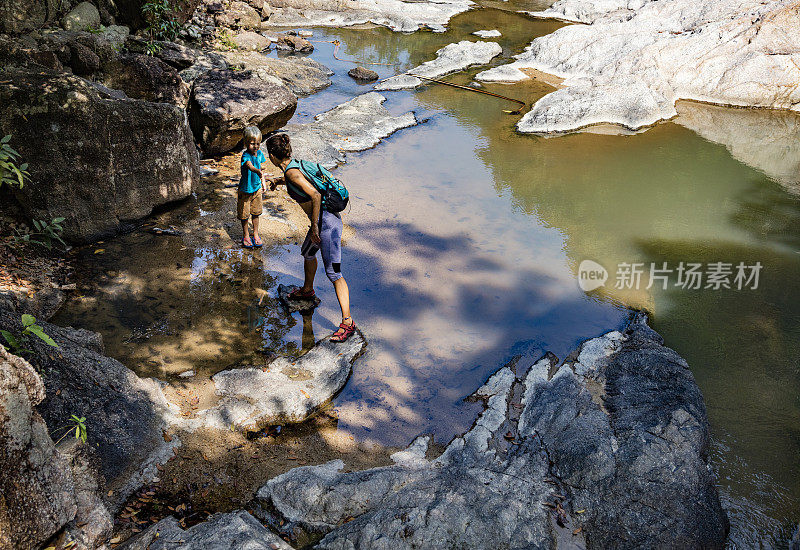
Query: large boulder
{"points": [[125, 414], [239, 15], [303, 75], [108, 159], [607, 450], [224, 102], [36, 490], [82, 17], [18, 16], [251, 41], [147, 77]]}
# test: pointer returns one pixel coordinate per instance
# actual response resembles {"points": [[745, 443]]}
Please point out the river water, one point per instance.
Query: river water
{"points": [[468, 240]]}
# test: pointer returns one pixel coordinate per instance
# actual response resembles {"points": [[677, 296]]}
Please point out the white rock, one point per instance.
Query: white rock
{"points": [[450, 59], [494, 33], [395, 14], [638, 57], [284, 391], [187, 373], [354, 125]]}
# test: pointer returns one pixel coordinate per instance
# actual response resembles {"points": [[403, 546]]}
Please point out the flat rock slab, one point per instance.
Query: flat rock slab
{"points": [[397, 15], [450, 59], [303, 75], [237, 530], [285, 391], [355, 125], [224, 102], [632, 61], [618, 434], [293, 306]]}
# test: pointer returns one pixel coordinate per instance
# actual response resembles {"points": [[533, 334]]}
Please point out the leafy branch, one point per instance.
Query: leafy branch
{"points": [[10, 173], [15, 342]]}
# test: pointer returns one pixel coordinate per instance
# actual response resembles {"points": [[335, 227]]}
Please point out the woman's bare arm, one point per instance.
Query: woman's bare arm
{"points": [[297, 177]]}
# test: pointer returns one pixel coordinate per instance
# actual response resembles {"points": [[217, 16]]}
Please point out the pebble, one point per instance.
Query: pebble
{"points": [[187, 374]]}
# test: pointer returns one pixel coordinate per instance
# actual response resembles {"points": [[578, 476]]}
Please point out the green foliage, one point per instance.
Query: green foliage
{"points": [[161, 23], [15, 342], [225, 41], [44, 233], [10, 173], [77, 426]]}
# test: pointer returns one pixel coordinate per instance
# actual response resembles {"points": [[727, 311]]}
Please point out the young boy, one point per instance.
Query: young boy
{"points": [[251, 184]]}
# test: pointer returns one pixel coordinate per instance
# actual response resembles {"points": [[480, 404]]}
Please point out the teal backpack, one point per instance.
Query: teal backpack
{"points": [[334, 194]]}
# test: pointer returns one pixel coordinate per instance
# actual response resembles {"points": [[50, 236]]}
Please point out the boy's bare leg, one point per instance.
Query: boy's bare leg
{"points": [[245, 231], [343, 295], [310, 268], [256, 238]]}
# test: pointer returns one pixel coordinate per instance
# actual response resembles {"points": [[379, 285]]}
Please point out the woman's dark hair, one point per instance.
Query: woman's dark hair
{"points": [[279, 146]]}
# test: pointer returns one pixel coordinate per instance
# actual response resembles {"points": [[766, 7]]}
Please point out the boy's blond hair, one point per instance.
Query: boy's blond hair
{"points": [[252, 132]]}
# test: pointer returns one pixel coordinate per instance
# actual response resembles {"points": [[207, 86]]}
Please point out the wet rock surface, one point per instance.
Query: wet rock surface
{"points": [[609, 449], [133, 155], [294, 44], [450, 59], [355, 125], [630, 63], [224, 102], [38, 495], [295, 305]]}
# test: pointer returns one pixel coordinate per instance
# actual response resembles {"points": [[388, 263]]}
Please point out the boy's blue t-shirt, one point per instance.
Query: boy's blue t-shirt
{"points": [[250, 182]]}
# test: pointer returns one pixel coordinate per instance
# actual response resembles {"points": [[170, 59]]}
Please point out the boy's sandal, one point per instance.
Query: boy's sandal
{"points": [[299, 294], [244, 244], [257, 245], [347, 332]]}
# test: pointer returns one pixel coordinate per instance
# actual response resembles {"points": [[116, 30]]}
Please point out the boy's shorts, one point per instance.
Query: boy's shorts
{"points": [[249, 205]]}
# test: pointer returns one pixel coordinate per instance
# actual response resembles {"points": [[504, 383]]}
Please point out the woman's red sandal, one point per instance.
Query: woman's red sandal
{"points": [[347, 332]]}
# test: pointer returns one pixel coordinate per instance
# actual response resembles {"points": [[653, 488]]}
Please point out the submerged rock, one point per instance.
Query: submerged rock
{"points": [[38, 495], [397, 15], [355, 125], [285, 391], [293, 306], [450, 59], [224, 102], [611, 447], [294, 44], [111, 159], [629, 65], [303, 75], [361, 73], [222, 531]]}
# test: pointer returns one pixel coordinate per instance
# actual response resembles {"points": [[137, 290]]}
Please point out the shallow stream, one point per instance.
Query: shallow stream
{"points": [[468, 240]]}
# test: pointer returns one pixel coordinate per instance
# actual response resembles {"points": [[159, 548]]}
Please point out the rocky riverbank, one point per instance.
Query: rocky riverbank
{"points": [[628, 64], [608, 449]]}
